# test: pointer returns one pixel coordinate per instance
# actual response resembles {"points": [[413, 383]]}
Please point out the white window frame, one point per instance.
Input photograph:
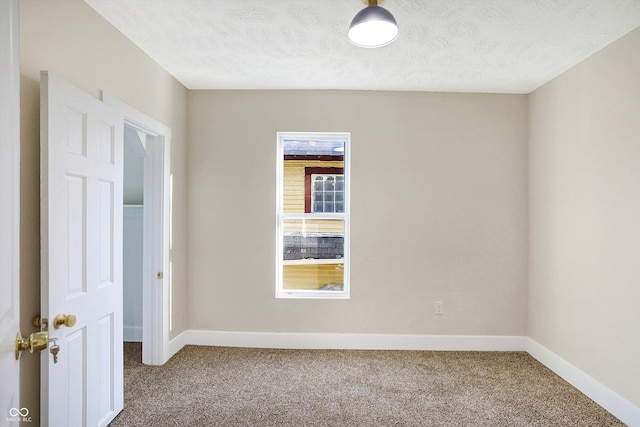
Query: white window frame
{"points": [[281, 216]]}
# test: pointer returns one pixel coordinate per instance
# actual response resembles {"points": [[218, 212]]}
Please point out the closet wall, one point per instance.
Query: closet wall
{"points": [[132, 273]]}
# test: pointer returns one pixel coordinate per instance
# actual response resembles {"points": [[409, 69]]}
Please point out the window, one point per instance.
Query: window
{"points": [[313, 215], [327, 193]]}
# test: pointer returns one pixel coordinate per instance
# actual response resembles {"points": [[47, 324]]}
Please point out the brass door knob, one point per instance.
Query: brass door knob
{"points": [[37, 341], [67, 320]]}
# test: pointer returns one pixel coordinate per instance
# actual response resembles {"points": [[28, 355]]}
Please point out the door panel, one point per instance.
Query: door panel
{"points": [[81, 202], [75, 365], [106, 233], [106, 404]]}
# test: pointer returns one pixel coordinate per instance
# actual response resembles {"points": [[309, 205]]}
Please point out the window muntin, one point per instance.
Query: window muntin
{"points": [[313, 216]]}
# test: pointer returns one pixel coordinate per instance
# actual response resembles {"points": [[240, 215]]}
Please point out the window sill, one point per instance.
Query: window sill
{"points": [[300, 294]]}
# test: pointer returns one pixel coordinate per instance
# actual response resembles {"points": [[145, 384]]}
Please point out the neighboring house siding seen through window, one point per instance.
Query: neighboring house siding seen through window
{"points": [[313, 215]]}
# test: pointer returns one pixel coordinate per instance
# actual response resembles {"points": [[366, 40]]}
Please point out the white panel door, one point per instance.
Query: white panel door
{"points": [[81, 231], [10, 408]]}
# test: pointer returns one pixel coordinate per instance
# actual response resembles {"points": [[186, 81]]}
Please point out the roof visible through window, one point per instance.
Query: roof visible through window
{"points": [[313, 148]]}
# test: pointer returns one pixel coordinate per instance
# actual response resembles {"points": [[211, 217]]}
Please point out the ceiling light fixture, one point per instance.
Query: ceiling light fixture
{"points": [[373, 26]]}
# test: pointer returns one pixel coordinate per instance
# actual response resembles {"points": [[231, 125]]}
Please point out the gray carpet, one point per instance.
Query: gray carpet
{"points": [[221, 386]]}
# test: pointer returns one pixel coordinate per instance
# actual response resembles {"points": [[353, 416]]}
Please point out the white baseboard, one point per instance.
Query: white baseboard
{"points": [[132, 333], [624, 410], [176, 344], [354, 341]]}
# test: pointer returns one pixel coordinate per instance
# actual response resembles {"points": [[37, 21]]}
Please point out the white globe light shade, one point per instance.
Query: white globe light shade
{"points": [[373, 26]]}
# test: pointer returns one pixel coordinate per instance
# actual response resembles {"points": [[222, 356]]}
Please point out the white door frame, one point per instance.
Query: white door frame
{"points": [[156, 292], [10, 211]]}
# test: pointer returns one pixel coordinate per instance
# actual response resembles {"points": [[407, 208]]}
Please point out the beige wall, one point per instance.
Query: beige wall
{"points": [[439, 211], [585, 216], [68, 38]]}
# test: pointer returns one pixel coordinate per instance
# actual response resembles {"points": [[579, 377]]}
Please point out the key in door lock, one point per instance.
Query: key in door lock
{"points": [[54, 349], [38, 341]]}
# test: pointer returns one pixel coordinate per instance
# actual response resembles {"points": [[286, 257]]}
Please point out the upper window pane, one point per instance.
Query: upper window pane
{"points": [[304, 158]]}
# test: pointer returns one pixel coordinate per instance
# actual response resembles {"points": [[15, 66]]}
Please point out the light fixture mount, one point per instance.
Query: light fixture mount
{"points": [[373, 26]]}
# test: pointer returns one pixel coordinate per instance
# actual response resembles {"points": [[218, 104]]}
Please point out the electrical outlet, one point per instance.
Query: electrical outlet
{"points": [[439, 307]]}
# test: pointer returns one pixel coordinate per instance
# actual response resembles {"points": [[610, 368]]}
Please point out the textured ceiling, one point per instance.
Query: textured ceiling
{"points": [[503, 46]]}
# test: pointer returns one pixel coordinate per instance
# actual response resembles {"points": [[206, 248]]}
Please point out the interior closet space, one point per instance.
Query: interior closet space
{"points": [[133, 226]]}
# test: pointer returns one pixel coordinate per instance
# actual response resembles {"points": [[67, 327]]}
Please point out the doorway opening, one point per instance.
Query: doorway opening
{"points": [[133, 234], [148, 193]]}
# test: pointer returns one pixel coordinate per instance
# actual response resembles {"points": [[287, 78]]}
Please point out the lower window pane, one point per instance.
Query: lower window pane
{"points": [[313, 254], [328, 277]]}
